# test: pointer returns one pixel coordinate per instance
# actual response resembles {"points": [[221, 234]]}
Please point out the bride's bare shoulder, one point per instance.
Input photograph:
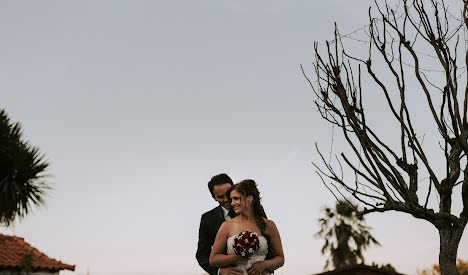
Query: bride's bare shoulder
{"points": [[226, 228], [270, 225], [235, 221], [227, 224], [230, 223], [231, 227]]}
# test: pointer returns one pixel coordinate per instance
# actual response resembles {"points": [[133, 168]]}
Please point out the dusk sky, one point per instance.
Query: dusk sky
{"points": [[137, 104]]}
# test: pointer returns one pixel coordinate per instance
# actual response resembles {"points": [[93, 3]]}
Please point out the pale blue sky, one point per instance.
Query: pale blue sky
{"points": [[136, 104]]}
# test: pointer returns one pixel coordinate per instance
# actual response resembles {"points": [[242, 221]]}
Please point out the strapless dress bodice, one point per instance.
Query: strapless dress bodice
{"points": [[259, 255]]}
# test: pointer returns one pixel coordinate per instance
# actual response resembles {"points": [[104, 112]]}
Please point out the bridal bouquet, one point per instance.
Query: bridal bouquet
{"points": [[246, 243]]}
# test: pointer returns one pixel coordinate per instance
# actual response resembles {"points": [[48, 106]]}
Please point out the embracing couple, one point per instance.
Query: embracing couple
{"points": [[236, 238]]}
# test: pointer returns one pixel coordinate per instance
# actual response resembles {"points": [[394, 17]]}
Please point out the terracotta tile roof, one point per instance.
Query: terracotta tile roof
{"points": [[13, 249]]}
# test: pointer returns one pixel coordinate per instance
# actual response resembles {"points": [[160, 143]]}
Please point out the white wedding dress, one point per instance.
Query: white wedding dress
{"points": [[257, 256]]}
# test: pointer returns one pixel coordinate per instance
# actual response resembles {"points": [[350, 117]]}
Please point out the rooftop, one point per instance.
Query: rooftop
{"points": [[14, 250]]}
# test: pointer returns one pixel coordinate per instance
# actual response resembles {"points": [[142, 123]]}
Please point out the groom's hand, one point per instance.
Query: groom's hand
{"points": [[257, 268], [230, 271]]}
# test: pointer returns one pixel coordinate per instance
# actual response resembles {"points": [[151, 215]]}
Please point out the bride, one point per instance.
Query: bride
{"points": [[245, 201]]}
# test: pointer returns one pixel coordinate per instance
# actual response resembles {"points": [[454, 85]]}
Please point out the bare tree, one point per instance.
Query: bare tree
{"points": [[401, 175]]}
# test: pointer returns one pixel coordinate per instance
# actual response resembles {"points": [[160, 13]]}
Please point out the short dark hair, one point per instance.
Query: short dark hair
{"points": [[218, 180]]}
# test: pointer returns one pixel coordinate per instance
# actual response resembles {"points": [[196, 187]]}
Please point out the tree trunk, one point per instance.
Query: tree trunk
{"points": [[449, 240]]}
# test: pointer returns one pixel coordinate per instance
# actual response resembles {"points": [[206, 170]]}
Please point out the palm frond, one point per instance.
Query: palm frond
{"points": [[22, 169]]}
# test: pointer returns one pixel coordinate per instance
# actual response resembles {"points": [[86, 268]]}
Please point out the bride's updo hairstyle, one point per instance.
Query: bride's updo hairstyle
{"points": [[249, 188]]}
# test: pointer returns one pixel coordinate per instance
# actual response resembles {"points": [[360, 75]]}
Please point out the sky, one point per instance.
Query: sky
{"points": [[137, 104]]}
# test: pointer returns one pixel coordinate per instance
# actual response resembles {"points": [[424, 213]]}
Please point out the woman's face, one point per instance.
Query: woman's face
{"points": [[237, 201]]}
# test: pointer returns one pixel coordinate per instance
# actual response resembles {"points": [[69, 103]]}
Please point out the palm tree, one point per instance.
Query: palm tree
{"points": [[346, 235], [21, 173]]}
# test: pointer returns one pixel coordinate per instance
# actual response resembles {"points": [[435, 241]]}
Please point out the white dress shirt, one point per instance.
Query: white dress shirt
{"points": [[226, 214]]}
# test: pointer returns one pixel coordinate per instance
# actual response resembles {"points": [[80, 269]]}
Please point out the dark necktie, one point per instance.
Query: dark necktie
{"points": [[231, 213]]}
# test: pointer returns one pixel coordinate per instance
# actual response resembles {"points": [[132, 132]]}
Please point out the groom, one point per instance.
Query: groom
{"points": [[210, 223]]}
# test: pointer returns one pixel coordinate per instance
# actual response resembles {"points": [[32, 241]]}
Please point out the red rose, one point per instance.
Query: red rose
{"points": [[246, 243]]}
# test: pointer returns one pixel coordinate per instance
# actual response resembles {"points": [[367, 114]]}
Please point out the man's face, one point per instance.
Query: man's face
{"points": [[219, 192]]}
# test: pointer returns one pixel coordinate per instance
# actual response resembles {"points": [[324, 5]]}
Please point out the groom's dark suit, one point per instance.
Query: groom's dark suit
{"points": [[209, 226]]}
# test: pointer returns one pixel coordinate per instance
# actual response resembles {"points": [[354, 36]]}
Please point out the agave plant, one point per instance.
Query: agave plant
{"points": [[22, 169]]}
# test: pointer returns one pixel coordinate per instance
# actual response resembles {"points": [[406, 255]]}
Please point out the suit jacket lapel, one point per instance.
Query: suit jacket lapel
{"points": [[219, 217]]}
